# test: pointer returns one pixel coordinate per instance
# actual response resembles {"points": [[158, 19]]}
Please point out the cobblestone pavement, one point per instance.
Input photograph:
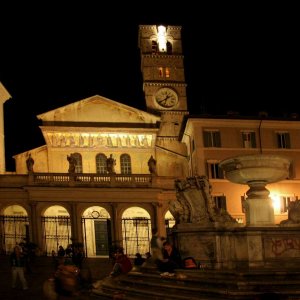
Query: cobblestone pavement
{"points": [[42, 269]]}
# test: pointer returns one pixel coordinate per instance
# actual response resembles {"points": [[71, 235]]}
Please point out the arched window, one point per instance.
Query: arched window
{"points": [[125, 162], [154, 47], [101, 163], [78, 167], [167, 72], [169, 48], [161, 71]]}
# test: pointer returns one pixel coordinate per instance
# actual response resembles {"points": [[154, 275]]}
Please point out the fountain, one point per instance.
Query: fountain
{"points": [[257, 171], [213, 237]]}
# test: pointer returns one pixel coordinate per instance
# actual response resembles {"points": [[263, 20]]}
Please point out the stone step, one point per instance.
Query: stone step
{"points": [[199, 284], [148, 292], [174, 287], [231, 280]]}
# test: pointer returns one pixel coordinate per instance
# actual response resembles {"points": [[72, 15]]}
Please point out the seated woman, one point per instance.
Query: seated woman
{"points": [[171, 259], [122, 263]]}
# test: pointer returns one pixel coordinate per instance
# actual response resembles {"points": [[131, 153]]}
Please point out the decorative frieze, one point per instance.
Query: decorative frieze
{"points": [[95, 140]]}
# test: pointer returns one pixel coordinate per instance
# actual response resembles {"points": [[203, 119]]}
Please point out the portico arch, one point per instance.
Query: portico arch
{"points": [[96, 228], [14, 227], [136, 230], [56, 227]]}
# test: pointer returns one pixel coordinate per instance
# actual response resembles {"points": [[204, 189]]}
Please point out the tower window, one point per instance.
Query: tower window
{"points": [[169, 48], [167, 72], [161, 37], [161, 72], [154, 47], [164, 72]]}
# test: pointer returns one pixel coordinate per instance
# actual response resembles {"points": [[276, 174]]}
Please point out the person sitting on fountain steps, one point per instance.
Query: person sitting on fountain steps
{"points": [[171, 260]]}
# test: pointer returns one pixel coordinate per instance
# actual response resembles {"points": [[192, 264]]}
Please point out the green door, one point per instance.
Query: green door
{"points": [[102, 237]]}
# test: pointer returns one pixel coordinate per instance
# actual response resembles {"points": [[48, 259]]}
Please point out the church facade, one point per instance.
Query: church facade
{"points": [[106, 172]]}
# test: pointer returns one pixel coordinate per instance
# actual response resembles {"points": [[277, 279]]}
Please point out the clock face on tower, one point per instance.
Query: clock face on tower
{"points": [[166, 97]]}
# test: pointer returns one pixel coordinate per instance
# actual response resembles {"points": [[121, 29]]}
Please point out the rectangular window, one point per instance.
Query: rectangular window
{"points": [[249, 140], [154, 47], [161, 72], [291, 171], [214, 171], [285, 202], [243, 202], [212, 138], [220, 202], [167, 72], [283, 140]]}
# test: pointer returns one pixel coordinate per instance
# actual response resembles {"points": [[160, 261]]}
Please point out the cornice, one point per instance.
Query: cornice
{"points": [[175, 112], [164, 83], [173, 27], [99, 124], [162, 55], [240, 122]]}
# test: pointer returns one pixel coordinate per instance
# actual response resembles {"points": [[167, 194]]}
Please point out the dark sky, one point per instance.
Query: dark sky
{"points": [[237, 58]]}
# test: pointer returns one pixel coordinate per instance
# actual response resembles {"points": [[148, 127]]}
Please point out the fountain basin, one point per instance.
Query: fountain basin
{"points": [[247, 169]]}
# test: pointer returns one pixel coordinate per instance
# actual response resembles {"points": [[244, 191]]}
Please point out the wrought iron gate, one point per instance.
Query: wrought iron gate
{"points": [[136, 235], [57, 231], [14, 229]]}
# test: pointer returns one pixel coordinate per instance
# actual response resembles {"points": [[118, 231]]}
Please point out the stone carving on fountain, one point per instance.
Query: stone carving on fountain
{"points": [[195, 205], [293, 215]]}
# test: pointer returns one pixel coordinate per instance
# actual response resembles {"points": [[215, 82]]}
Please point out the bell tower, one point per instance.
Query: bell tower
{"points": [[163, 75]]}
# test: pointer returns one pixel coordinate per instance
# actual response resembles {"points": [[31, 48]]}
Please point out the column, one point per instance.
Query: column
{"points": [[159, 221], [116, 228], [33, 222], [74, 222]]}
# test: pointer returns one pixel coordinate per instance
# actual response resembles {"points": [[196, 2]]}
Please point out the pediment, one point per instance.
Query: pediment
{"points": [[98, 109]]}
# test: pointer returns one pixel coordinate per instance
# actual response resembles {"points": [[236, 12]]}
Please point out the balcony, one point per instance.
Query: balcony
{"points": [[87, 180]]}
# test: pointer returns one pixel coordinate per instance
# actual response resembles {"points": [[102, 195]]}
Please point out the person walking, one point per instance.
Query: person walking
{"points": [[17, 262]]}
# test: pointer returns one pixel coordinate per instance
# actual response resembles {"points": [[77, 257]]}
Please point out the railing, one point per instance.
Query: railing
{"points": [[136, 180], [87, 180]]}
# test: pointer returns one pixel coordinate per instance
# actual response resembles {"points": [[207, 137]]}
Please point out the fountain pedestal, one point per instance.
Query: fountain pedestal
{"points": [[258, 205], [257, 171]]}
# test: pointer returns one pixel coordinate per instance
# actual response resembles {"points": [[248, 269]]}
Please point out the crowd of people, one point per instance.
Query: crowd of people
{"points": [[69, 278], [164, 255]]}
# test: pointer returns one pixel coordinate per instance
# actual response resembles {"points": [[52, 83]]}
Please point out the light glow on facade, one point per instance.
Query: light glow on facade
{"points": [[276, 202]]}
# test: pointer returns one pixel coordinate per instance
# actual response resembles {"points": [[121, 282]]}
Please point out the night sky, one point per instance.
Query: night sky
{"points": [[237, 58]]}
